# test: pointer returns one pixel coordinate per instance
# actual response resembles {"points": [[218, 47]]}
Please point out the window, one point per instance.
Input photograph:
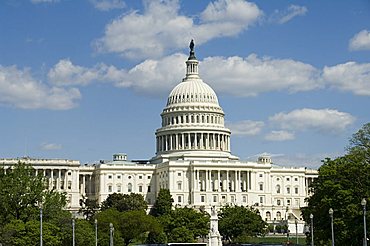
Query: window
{"points": [[278, 202], [261, 175], [69, 173], [149, 177], [140, 188], [287, 179], [261, 199], [109, 176], [129, 187], [69, 185], [179, 199], [232, 199], [118, 188], [129, 177], [109, 188], [261, 186], [214, 198], [278, 179], [140, 177], [148, 188], [179, 186], [288, 202], [202, 198], [278, 189], [296, 190], [288, 190], [118, 176], [179, 174], [268, 215], [244, 199], [278, 215], [295, 179]]}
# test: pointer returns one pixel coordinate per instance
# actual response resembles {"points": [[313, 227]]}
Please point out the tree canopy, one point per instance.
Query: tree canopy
{"points": [[163, 203], [341, 185], [125, 202], [238, 222], [185, 224]]}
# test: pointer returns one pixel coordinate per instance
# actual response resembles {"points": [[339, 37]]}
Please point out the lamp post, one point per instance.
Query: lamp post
{"points": [[363, 203], [96, 232], [111, 234], [311, 217], [73, 230], [296, 230], [331, 212], [40, 224]]}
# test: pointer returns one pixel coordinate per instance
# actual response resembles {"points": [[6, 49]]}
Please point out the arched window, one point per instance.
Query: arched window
{"points": [[278, 215], [268, 215], [278, 189]]}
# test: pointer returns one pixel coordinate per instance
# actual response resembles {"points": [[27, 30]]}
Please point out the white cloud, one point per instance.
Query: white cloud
{"points": [[279, 136], [320, 120], [19, 89], [253, 75], [246, 127], [51, 146], [106, 5], [349, 76], [161, 29], [286, 15], [361, 41]]}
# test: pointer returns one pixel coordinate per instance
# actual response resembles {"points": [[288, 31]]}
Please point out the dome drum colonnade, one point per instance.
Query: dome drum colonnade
{"points": [[192, 118]]}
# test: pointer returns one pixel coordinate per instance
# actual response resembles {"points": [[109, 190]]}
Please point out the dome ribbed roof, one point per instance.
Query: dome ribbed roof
{"points": [[192, 91]]}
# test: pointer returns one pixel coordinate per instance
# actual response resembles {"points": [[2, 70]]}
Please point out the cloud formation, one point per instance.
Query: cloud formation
{"points": [[361, 41], [19, 89], [106, 5], [279, 136], [161, 28], [319, 120], [288, 14], [246, 127], [51, 146], [350, 76]]}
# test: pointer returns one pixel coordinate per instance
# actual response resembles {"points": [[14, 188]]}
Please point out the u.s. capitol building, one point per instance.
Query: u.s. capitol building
{"points": [[193, 160]]}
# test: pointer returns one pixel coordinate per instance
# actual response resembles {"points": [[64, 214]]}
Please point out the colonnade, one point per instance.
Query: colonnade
{"points": [[193, 141], [222, 180], [193, 118]]}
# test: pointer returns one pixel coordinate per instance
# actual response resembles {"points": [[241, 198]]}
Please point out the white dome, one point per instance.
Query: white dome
{"points": [[192, 91]]}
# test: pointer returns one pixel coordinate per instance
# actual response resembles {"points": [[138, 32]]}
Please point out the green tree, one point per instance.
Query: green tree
{"points": [[341, 185], [21, 192], [237, 222], [88, 207], [19, 233], [163, 203], [185, 225], [135, 226], [125, 202]]}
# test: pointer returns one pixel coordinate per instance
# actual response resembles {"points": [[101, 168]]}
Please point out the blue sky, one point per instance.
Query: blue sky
{"points": [[86, 79]]}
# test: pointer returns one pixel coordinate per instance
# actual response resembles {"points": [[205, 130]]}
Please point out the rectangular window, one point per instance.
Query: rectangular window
{"points": [[148, 188], [109, 176], [278, 202], [287, 179], [179, 186], [202, 198], [261, 175], [179, 174], [261, 199], [296, 190], [244, 199], [140, 188], [119, 177], [261, 186], [118, 188], [288, 202], [295, 179], [179, 199], [109, 188], [288, 190], [140, 177], [148, 177], [232, 198], [214, 198]]}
